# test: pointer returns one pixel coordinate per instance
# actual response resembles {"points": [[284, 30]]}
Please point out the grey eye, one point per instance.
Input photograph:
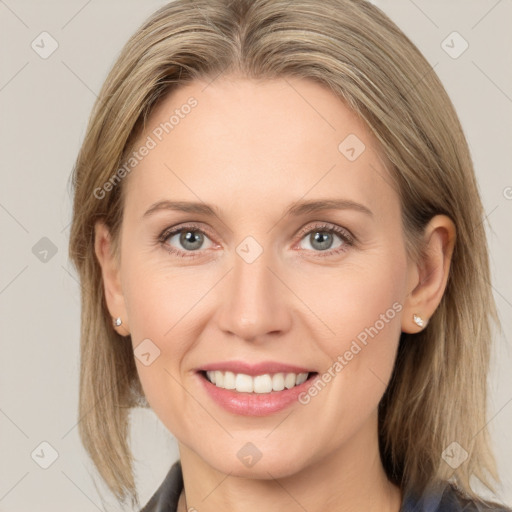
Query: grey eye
{"points": [[322, 240], [188, 239]]}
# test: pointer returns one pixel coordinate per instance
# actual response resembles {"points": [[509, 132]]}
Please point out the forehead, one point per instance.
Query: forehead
{"points": [[247, 141]]}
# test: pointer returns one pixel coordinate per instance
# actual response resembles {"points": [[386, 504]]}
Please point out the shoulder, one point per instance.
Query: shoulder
{"points": [[165, 498], [454, 499], [448, 498]]}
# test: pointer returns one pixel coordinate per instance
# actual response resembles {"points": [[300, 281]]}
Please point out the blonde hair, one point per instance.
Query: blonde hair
{"points": [[351, 47]]}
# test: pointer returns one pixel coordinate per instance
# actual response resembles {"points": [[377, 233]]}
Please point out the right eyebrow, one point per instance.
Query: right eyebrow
{"points": [[183, 206]]}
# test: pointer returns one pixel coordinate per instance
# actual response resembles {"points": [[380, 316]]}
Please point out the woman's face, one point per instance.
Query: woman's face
{"points": [[257, 282]]}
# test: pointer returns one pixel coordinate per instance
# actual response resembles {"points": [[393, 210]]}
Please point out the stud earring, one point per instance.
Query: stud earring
{"points": [[418, 320], [117, 321]]}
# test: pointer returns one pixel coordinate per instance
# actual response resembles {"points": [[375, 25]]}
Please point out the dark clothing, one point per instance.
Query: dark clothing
{"points": [[447, 499], [167, 495]]}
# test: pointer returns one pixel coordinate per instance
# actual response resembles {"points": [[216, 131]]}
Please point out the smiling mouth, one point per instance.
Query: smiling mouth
{"points": [[260, 384]]}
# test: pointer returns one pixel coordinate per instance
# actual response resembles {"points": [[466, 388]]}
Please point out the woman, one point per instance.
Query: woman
{"points": [[278, 231]]}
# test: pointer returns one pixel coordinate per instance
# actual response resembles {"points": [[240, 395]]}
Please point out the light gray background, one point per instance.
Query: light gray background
{"points": [[45, 104]]}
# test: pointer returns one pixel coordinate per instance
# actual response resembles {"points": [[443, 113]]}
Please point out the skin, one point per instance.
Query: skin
{"points": [[251, 149]]}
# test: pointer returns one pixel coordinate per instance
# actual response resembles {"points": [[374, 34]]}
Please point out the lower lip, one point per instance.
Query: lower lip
{"points": [[254, 404]]}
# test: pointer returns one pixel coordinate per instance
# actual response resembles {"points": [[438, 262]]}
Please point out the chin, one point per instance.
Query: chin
{"points": [[246, 460]]}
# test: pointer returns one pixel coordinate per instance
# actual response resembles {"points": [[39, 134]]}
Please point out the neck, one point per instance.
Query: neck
{"points": [[349, 479]]}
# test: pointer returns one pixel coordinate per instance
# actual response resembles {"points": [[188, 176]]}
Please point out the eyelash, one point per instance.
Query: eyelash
{"points": [[322, 227]]}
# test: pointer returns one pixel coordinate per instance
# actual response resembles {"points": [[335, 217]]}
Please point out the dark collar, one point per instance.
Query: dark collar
{"points": [[167, 495]]}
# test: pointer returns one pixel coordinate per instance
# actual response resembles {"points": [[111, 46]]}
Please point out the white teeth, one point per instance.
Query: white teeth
{"points": [[289, 380], [259, 384], [229, 380], [262, 383], [243, 383], [301, 377], [278, 381], [219, 379]]}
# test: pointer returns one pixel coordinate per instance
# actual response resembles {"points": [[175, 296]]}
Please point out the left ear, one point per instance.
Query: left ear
{"points": [[428, 277]]}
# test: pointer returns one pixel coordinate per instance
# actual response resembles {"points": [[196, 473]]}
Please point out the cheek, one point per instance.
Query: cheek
{"points": [[160, 297], [158, 309], [362, 309], [166, 304], [346, 300], [367, 307]]}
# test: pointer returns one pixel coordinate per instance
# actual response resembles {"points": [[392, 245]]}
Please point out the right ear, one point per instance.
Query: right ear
{"points": [[111, 274]]}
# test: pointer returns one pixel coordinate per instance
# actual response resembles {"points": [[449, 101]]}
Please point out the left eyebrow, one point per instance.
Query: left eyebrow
{"points": [[305, 207]]}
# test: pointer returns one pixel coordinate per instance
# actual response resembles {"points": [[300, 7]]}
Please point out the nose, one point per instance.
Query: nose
{"points": [[255, 303]]}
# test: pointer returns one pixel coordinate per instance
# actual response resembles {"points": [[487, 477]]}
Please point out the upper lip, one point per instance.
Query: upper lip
{"points": [[254, 368]]}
